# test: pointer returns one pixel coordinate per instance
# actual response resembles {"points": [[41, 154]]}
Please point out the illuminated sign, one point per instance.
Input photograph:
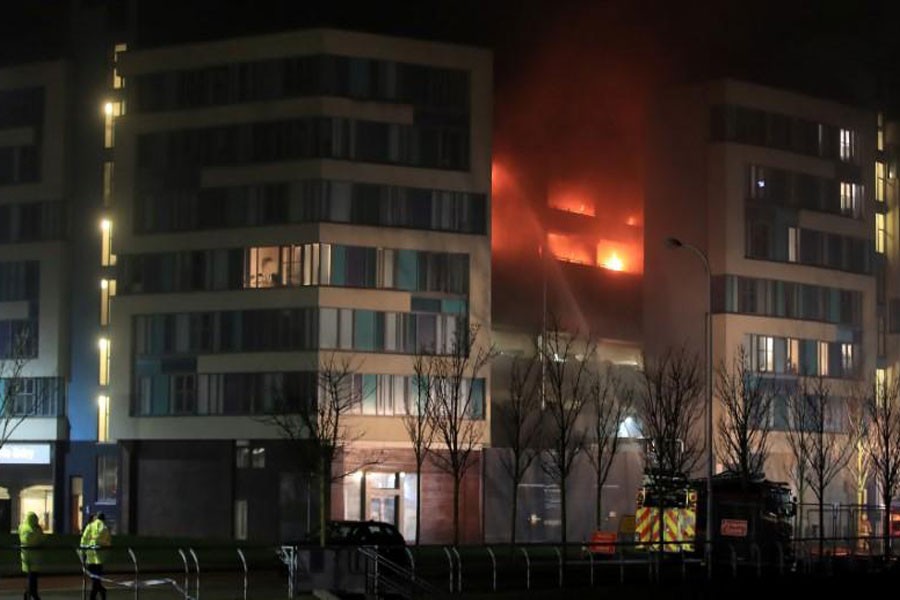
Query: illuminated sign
{"points": [[734, 527], [25, 454]]}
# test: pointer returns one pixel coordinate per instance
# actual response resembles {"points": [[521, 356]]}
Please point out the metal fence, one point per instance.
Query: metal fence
{"points": [[150, 572], [267, 572]]}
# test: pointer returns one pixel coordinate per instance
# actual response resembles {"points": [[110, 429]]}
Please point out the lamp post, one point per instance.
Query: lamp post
{"points": [[676, 244]]}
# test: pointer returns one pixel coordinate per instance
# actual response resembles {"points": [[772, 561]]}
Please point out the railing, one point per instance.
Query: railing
{"points": [[146, 571], [219, 572]]}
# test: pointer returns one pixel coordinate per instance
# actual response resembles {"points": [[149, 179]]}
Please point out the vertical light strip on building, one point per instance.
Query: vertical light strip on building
{"points": [[111, 110], [880, 233], [107, 258], [118, 82], [103, 418], [103, 375], [107, 291]]}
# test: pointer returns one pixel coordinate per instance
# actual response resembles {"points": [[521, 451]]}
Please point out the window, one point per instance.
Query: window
{"points": [[242, 455], [107, 479], [848, 362], [240, 519], [258, 458], [103, 418], [18, 338], [880, 181], [263, 267], [879, 142], [184, 394], [247, 456], [880, 234], [107, 291], [822, 354], [851, 199], [793, 248], [792, 365], [107, 258], [847, 147], [111, 110], [104, 348], [765, 353], [107, 183], [759, 235]]}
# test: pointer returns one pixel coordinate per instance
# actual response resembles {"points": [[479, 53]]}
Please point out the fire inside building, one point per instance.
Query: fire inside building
{"points": [[198, 230]]}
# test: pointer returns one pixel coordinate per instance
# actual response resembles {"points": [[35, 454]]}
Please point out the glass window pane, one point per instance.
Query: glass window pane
{"points": [[328, 328]]}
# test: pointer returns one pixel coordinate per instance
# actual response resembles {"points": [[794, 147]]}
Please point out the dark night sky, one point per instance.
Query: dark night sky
{"points": [[828, 48]]}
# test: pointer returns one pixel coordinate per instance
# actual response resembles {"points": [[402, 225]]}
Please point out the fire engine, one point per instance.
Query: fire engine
{"points": [[672, 512]]}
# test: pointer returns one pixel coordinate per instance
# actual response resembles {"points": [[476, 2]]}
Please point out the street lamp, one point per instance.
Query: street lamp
{"points": [[676, 244]]}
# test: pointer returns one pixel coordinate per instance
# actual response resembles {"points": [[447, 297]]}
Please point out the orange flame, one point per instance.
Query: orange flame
{"points": [[619, 256], [613, 263], [569, 248]]}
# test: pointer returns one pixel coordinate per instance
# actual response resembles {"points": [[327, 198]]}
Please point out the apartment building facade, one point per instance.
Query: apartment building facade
{"points": [[33, 313], [779, 191], [280, 201]]}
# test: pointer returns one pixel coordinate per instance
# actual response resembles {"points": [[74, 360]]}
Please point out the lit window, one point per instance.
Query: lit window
{"points": [[823, 358], [111, 110], [879, 181], [757, 181], [847, 145], [247, 456], [880, 233], [103, 418], [851, 198], [793, 244], [765, 353], [107, 291], [793, 356], [263, 267], [848, 363], [258, 458], [118, 80], [880, 382], [880, 140], [107, 258], [103, 377]]}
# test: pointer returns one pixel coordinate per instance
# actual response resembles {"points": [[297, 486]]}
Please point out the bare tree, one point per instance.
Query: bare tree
{"points": [[316, 423], [670, 407], [859, 466], [457, 407], [884, 422], [567, 388], [830, 445], [746, 399], [12, 411], [798, 437], [418, 425], [609, 402], [519, 418]]}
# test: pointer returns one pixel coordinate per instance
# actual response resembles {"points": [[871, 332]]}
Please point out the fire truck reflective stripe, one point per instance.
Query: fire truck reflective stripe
{"points": [[673, 530], [643, 524], [688, 528]]}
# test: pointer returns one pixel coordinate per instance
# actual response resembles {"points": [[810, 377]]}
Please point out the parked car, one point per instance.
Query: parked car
{"points": [[360, 533], [385, 536]]}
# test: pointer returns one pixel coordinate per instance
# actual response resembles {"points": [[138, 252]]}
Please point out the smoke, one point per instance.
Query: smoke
{"points": [[569, 131]]}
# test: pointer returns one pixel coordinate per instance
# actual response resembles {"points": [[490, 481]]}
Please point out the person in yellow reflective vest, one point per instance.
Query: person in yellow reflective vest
{"points": [[30, 536], [95, 537]]}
